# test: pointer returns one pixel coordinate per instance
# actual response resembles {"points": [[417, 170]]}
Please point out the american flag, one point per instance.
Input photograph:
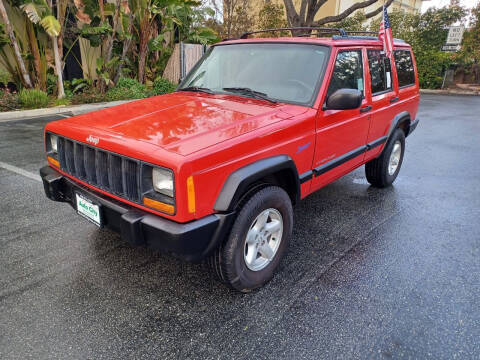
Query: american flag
{"points": [[385, 34]]}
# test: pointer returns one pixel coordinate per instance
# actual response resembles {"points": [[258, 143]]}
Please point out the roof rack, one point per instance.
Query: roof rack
{"points": [[340, 32], [358, 32], [337, 33]]}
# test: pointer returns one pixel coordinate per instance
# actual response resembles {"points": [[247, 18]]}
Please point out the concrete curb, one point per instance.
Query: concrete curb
{"points": [[58, 110], [449, 92]]}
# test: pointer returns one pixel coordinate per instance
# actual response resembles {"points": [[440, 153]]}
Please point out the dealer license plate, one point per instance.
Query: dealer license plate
{"points": [[88, 210]]}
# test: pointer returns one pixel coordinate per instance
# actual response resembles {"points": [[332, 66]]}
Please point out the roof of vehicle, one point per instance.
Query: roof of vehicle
{"points": [[339, 37]]}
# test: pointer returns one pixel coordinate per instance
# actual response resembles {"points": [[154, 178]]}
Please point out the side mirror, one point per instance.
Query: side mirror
{"points": [[344, 99]]}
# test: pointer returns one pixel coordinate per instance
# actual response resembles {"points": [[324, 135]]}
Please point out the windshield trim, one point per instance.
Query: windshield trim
{"points": [[318, 84]]}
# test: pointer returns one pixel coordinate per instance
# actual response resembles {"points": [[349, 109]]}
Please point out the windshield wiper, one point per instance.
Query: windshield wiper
{"points": [[198, 89], [252, 93]]}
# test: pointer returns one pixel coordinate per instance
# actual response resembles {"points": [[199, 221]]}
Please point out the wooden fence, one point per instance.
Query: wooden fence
{"points": [[183, 58]]}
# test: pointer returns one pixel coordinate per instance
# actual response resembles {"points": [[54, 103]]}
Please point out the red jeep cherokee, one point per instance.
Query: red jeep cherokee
{"points": [[213, 169]]}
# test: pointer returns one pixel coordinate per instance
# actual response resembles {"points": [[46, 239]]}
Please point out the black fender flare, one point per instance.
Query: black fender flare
{"points": [[241, 179], [397, 120]]}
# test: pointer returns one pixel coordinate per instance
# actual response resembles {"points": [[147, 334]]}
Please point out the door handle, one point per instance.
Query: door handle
{"points": [[365, 109], [394, 99]]}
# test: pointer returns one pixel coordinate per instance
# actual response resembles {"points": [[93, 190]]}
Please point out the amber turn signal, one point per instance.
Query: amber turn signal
{"points": [[53, 161], [158, 205], [191, 194]]}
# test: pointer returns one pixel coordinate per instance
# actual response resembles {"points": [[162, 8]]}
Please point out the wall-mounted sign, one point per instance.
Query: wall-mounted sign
{"points": [[455, 35]]}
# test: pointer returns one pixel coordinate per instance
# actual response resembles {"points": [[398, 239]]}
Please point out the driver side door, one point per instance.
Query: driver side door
{"points": [[341, 135]]}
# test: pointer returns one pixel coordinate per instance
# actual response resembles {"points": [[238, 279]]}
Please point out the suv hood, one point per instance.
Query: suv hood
{"points": [[185, 122]]}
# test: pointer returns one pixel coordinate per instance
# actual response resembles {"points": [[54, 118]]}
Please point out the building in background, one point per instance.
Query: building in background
{"points": [[335, 7], [409, 6]]}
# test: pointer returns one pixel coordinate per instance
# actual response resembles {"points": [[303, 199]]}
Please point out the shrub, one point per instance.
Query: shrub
{"points": [[52, 84], [127, 89], [431, 68], [80, 85], [87, 97], [163, 86], [128, 83], [8, 101], [33, 99], [61, 102], [5, 77]]}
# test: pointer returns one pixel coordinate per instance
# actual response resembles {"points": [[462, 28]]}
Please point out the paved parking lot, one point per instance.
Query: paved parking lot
{"points": [[392, 273]]}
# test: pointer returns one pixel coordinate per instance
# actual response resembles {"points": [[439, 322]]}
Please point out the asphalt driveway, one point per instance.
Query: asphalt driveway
{"points": [[392, 273]]}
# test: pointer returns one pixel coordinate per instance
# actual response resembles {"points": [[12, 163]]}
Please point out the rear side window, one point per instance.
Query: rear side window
{"points": [[404, 64], [348, 72], [380, 71]]}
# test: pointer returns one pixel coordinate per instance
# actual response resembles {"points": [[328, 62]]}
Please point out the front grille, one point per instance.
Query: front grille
{"points": [[110, 172]]}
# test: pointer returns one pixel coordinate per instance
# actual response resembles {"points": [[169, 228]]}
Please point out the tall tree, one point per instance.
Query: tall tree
{"points": [[16, 49], [305, 16], [236, 15]]}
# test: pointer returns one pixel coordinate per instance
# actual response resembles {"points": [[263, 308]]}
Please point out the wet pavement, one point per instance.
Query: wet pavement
{"points": [[392, 273]]}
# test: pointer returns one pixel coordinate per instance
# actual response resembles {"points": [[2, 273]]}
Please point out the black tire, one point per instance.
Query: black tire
{"points": [[228, 261], [376, 170]]}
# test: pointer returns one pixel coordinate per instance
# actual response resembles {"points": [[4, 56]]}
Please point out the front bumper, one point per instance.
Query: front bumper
{"points": [[192, 241]]}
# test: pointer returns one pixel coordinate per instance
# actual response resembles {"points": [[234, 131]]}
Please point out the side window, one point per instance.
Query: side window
{"points": [[348, 72], [404, 64], [380, 71]]}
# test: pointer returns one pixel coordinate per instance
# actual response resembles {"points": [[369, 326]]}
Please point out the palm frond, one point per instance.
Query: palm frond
{"points": [[51, 25], [33, 12]]}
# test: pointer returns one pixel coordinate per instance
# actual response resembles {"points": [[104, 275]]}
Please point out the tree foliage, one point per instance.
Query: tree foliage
{"points": [[426, 33], [134, 37], [272, 16], [470, 53]]}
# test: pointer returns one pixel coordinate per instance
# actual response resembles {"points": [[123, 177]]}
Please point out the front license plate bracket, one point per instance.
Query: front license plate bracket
{"points": [[88, 209]]}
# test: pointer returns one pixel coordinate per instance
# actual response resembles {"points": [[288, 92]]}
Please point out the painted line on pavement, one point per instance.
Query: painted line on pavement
{"points": [[19, 171]]}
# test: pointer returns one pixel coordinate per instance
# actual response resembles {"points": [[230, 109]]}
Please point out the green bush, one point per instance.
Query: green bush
{"points": [[163, 86], [127, 89], [80, 85], [61, 102], [128, 83], [431, 68], [5, 77], [33, 99], [8, 101], [52, 84], [88, 97]]}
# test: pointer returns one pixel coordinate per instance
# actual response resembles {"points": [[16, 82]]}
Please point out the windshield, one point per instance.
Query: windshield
{"points": [[280, 72]]}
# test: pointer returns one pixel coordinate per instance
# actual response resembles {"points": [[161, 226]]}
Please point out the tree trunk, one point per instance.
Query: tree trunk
{"points": [[58, 68], [126, 47], [310, 8], [142, 59], [102, 10], [111, 39], [39, 78], [16, 49], [145, 31], [61, 12]]}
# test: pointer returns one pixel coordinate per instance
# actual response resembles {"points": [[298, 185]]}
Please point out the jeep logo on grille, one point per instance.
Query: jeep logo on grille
{"points": [[92, 139]]}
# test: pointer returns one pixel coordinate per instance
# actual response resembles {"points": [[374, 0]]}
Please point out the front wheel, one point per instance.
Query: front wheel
{"points": [[382, 171], [257, 242]]}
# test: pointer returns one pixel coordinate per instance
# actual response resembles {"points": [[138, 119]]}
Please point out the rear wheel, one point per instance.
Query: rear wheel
{"points": [[382, 171], [257, 242]]}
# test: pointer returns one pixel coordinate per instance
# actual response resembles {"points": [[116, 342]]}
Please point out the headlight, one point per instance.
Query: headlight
{"points": [[53, 142], [163, 181]]}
